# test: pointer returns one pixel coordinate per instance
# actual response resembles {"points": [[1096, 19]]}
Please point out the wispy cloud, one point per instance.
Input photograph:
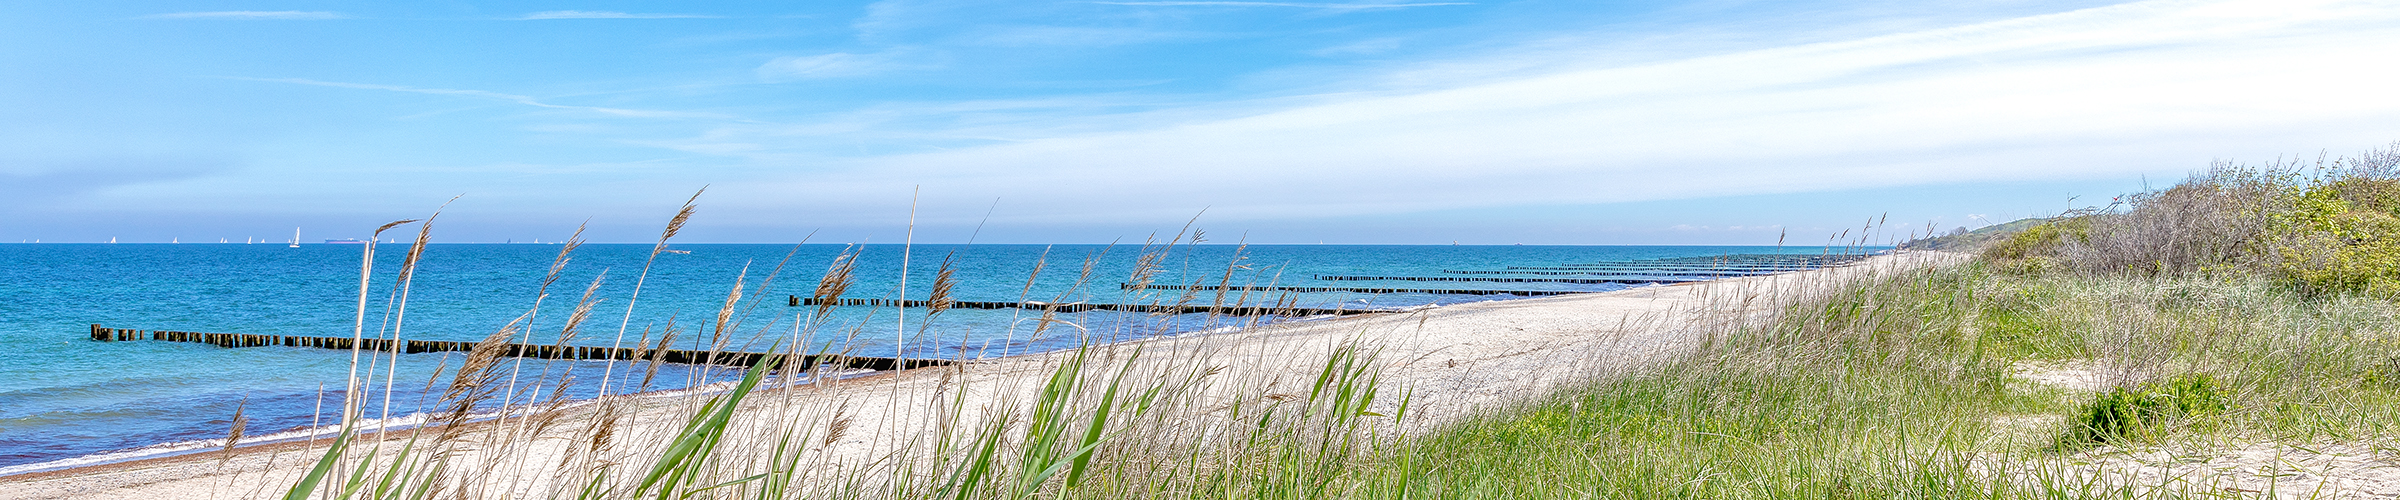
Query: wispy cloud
{"points": [[518, 99], [603, 14], [252, 14], [2142, 88], [1080, 36], [844, 65], [1300, 5], [1362, 47]]}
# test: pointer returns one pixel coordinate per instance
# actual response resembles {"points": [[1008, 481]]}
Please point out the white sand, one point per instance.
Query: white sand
{"points": [[2209, 465]]}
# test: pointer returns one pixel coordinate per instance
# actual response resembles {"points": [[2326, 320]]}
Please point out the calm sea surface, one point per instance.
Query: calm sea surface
{"points": [[66, 400]]}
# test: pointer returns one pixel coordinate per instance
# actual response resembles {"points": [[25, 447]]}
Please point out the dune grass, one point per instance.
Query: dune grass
{"points": [[2045, 369], [1898, 384], [1908, 387]]}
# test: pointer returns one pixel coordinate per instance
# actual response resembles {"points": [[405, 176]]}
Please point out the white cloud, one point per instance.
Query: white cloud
{"points": [[1362, 47], [2156, 86], [518, 99], [252, 14], [841, 65], [1076, 36], [602, 14], [1303, 5]]}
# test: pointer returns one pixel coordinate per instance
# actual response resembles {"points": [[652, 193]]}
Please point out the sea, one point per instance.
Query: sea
{"points": [[67, 400]]}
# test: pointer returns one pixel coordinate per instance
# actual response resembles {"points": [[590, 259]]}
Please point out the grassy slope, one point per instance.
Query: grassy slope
{"points": [[1972, 240], [1894, 389]]}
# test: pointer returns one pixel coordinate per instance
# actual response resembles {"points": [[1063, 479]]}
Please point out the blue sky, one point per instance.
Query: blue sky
{"points": [[1088, 121]]}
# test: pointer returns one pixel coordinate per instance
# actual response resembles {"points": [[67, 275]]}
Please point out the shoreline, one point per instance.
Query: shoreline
{"points": [[1644, 300], [272, 444], [281, 445]]}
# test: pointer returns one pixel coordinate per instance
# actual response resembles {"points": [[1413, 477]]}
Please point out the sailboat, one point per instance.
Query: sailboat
{"points": [[295, 237]]}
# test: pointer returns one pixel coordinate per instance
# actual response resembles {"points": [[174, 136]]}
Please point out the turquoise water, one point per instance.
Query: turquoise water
{"points": [[67, 400]]}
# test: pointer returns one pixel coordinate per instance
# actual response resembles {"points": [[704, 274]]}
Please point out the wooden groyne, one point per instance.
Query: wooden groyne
{"points": [[1770, 260], [1714, 273], [1075, 307], [1586, 281], [1314, 289], [1607, 268], [677, 356]]}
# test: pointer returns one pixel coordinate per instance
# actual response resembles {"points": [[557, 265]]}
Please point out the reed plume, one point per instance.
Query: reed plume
{"points": [[658, 355], [583, 310], [719, 335], [837, 280], [475, 380], [233, 436], [944, 280]]}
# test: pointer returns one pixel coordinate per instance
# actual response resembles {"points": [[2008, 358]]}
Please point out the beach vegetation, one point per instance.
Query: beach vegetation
{"points": [[2041, 239], [2244, 307], [2144, 412], [1946, 383]]}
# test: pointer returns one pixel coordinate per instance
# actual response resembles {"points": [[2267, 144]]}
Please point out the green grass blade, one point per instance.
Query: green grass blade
{"points": [[324, 466], [699, 436]]}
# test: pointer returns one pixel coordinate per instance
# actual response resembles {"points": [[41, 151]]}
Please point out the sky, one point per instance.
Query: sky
{"points": [[1373, 122]]}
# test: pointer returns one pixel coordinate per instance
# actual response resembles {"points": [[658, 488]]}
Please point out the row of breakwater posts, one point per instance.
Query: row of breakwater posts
{"points": [[1617, 268], [1687, 269], [1580, 281], [1076, 307], [653, 354], [1674, 270], [1739, 263], [1734, 261], [1345, 289], [1669, 270], [1663, 274]]}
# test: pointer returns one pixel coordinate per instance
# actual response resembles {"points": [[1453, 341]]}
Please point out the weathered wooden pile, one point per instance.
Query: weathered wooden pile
{"points": [[1670, 270], [1309, 289], [653, 354], [1076, 307]]}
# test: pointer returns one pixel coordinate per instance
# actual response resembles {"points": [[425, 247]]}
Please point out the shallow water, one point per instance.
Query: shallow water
{"points": [[65, 399]]}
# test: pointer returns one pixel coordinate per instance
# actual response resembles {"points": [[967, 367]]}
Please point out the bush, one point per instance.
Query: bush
{"points": [[2145, 413], [2209, 221], [2041, 240], [2327, 228], [2341, 236]]}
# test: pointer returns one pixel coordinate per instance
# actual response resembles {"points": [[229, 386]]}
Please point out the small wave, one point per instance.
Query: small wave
{"points": [[403, 422], [400, 423]]}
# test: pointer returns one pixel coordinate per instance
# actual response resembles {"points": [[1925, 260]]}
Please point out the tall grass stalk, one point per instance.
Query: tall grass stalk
{"points": [[1882, 380], [674, 225]]}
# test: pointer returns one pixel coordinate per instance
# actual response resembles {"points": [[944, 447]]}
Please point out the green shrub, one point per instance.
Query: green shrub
{"points": [[2341, 236], [2145, 413], [2040, 240]]}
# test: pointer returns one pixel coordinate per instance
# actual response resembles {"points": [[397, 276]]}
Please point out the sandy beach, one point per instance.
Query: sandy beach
{"points": [[1449, 361]]}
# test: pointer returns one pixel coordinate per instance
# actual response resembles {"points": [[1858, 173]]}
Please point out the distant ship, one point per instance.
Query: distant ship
{"points": [[348, 240]]}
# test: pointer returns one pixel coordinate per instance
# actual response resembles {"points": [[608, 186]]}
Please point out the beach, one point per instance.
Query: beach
{"points": [[1452, 360]]}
